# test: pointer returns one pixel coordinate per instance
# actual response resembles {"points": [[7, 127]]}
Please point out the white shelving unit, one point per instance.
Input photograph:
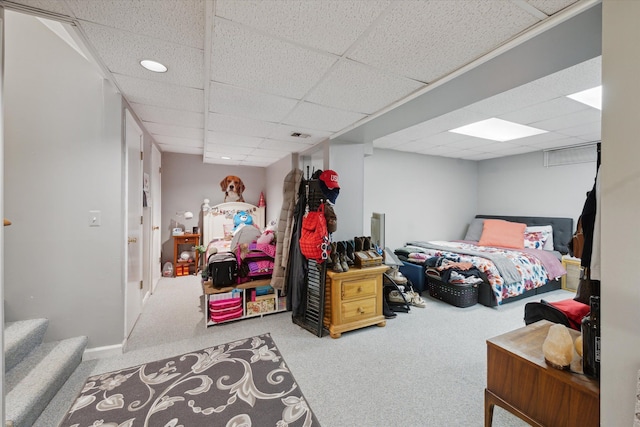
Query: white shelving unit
{"points": [[252, 306]]}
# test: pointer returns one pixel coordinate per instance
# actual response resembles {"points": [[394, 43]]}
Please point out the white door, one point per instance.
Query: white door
{"points": [[133, 291], [156, 220]]}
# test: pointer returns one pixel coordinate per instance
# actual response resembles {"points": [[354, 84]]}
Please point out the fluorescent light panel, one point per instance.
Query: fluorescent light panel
{"points": [[497, 130], [592, 97]]}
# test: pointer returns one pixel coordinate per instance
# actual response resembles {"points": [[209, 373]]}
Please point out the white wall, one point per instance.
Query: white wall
{"points": [[63, 157], [620, 203], [422, 197], [522, 185], [348, 161]]}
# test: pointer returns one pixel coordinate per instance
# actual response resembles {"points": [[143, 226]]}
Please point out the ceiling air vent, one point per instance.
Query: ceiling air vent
{"points": [[300, 135], [571, 155]]}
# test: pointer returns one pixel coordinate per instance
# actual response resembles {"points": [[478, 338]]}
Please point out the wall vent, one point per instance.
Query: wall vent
{"points": [[586, 153]]}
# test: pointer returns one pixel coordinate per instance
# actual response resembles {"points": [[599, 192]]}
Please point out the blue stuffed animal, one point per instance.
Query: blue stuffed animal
{"points": [[242, 218]]}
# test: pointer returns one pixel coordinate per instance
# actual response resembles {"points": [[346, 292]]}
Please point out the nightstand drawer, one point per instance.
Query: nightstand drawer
{"points": [[359, 288], [360, 309]]}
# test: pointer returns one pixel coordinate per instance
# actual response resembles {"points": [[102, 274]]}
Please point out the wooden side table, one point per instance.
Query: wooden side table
{"points": [[185, 239], [520, 381], [353, 299]]}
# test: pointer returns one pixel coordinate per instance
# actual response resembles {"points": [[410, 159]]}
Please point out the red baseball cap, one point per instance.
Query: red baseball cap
{"points": [[330, 179]]}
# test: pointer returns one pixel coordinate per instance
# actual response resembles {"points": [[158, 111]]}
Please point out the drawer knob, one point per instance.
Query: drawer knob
{"points": [[359, 288], [360, 310]]}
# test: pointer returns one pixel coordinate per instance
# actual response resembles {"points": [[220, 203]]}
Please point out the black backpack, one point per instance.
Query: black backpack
{"points": [[223, 269]]}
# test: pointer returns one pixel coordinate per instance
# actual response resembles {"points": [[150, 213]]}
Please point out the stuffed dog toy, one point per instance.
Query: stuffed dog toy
{"points": [[232, 187]]}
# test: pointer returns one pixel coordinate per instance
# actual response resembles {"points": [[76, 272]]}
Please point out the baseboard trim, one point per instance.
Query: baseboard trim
{"points": [[102, 352]]}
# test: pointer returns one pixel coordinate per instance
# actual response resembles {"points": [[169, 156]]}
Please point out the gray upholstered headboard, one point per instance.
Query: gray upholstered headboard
{"points": [[562, 227]]}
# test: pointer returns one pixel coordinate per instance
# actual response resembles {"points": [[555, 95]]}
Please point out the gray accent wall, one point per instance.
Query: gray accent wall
{"points": [[423, 197], [522, 185], [434, 198], [63, 158]]}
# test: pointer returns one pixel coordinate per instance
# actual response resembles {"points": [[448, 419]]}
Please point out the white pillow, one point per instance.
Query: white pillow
{"points": [[547, 231]]}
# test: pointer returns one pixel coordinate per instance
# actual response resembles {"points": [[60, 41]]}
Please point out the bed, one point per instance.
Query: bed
{"points": [[506, 274], [217, 223]]}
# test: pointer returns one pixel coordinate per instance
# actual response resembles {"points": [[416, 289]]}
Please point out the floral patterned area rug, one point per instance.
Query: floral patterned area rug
{"points": [[241, 383]]}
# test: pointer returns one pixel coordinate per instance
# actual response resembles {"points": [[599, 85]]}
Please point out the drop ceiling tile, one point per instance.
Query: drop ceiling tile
{"points": [[168, 116], [159, 94], [180, 149], [553, 108], [518, 149], [585, 75], [314, 116], [355, 87], [567, 121], [246, 59], [551, 7], [469, 143], [179, 22], [235, 101], [513, 100], [273, 154], [214, 157], [427, 40], [444, 138], [122, 52], [178, 141], [240, 125], [171, 130], [283, 132], [229, 149], [581, 131], [288, 146], [331, 26], [230, 139]]}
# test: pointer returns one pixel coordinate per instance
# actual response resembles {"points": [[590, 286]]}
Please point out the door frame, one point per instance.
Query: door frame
{"points": [[128, 302]]}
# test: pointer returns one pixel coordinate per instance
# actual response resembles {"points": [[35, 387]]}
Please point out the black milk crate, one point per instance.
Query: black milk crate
{"points": [[458, 295]]}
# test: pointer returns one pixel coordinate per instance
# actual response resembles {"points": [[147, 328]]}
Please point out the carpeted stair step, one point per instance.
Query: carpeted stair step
{"points": [[20, 338], [35, 381]]}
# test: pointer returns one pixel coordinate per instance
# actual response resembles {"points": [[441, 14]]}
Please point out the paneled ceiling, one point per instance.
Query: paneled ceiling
{"points": [[245, 77]]}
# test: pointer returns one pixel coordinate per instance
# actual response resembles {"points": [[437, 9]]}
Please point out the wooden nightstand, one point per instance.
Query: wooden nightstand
{"points": [[570, 281], [353, 299], [186, 239]]}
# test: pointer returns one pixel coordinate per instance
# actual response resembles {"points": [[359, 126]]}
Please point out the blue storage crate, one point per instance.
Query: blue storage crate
{"points": [[415, 273]]}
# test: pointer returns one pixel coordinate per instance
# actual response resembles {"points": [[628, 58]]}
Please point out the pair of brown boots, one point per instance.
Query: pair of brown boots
{"points": [[341, 256]]}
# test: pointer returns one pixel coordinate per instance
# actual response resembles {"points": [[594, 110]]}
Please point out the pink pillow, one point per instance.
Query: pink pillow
{"points": [[497, 232]]}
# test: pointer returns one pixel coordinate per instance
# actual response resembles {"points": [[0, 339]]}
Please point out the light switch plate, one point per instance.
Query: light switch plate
{"points": [[94, 219]]}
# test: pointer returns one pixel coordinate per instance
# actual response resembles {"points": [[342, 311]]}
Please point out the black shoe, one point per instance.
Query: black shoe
{"points": [[386, 311]]}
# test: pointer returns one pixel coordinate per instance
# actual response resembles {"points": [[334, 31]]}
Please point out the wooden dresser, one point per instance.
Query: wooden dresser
{"points": [[353, 299], [520, 381]]}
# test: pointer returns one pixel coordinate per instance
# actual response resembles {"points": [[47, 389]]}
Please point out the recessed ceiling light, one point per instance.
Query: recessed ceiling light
{"points": [[225, 158], [497, 130], [592, 97], [154, 66]]}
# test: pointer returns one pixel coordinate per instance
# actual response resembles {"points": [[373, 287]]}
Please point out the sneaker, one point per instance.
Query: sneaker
{"points": [[397, 297], [416, 299]]}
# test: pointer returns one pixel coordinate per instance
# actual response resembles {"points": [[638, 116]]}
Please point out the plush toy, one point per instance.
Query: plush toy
{"points": [[268, 235], [242, 218]]}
